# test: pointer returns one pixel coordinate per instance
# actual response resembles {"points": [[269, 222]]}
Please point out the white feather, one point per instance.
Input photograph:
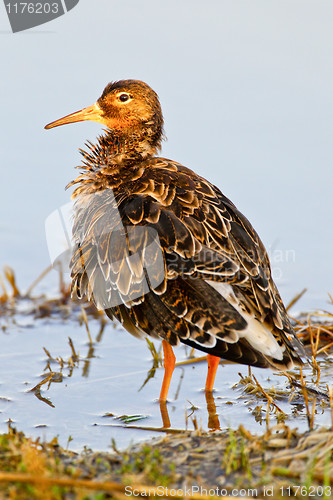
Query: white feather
{"points": [[257, 335]]}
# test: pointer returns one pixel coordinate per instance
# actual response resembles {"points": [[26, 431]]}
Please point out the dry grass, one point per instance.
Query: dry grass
{"points": [[280, 457]]}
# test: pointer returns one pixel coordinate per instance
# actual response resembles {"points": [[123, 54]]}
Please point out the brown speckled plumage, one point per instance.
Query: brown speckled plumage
{"points": [[206, 243]]}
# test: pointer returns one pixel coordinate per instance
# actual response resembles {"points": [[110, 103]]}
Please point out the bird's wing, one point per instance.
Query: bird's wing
{"points": [[170, 255]]}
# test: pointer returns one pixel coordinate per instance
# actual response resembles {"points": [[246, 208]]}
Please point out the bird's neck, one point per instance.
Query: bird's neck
{"points": [[123, 146], [114, 156]]}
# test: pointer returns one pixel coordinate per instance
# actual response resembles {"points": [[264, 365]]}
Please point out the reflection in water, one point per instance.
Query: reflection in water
{"points": [[213, 419], [165, 415], [98, 370], [157, 361], [70, 364], [74, 360], [250, 384], [36, 390]]}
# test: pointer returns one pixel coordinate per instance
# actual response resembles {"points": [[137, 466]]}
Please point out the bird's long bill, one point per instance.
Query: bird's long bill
{"points": [[93, 113]]}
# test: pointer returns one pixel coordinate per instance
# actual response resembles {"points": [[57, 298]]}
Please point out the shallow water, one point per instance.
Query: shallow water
{"points": [[101, 398]]}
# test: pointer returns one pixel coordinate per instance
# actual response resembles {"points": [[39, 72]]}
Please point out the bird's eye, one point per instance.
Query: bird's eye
{"points": [[123, 97]]}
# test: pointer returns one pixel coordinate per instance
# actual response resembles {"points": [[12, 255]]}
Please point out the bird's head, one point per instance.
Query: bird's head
{"points": [[127, 107]]}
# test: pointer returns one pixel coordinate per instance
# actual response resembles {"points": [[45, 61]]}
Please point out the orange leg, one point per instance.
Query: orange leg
{"points": [[213, 363], [169, 365]]}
